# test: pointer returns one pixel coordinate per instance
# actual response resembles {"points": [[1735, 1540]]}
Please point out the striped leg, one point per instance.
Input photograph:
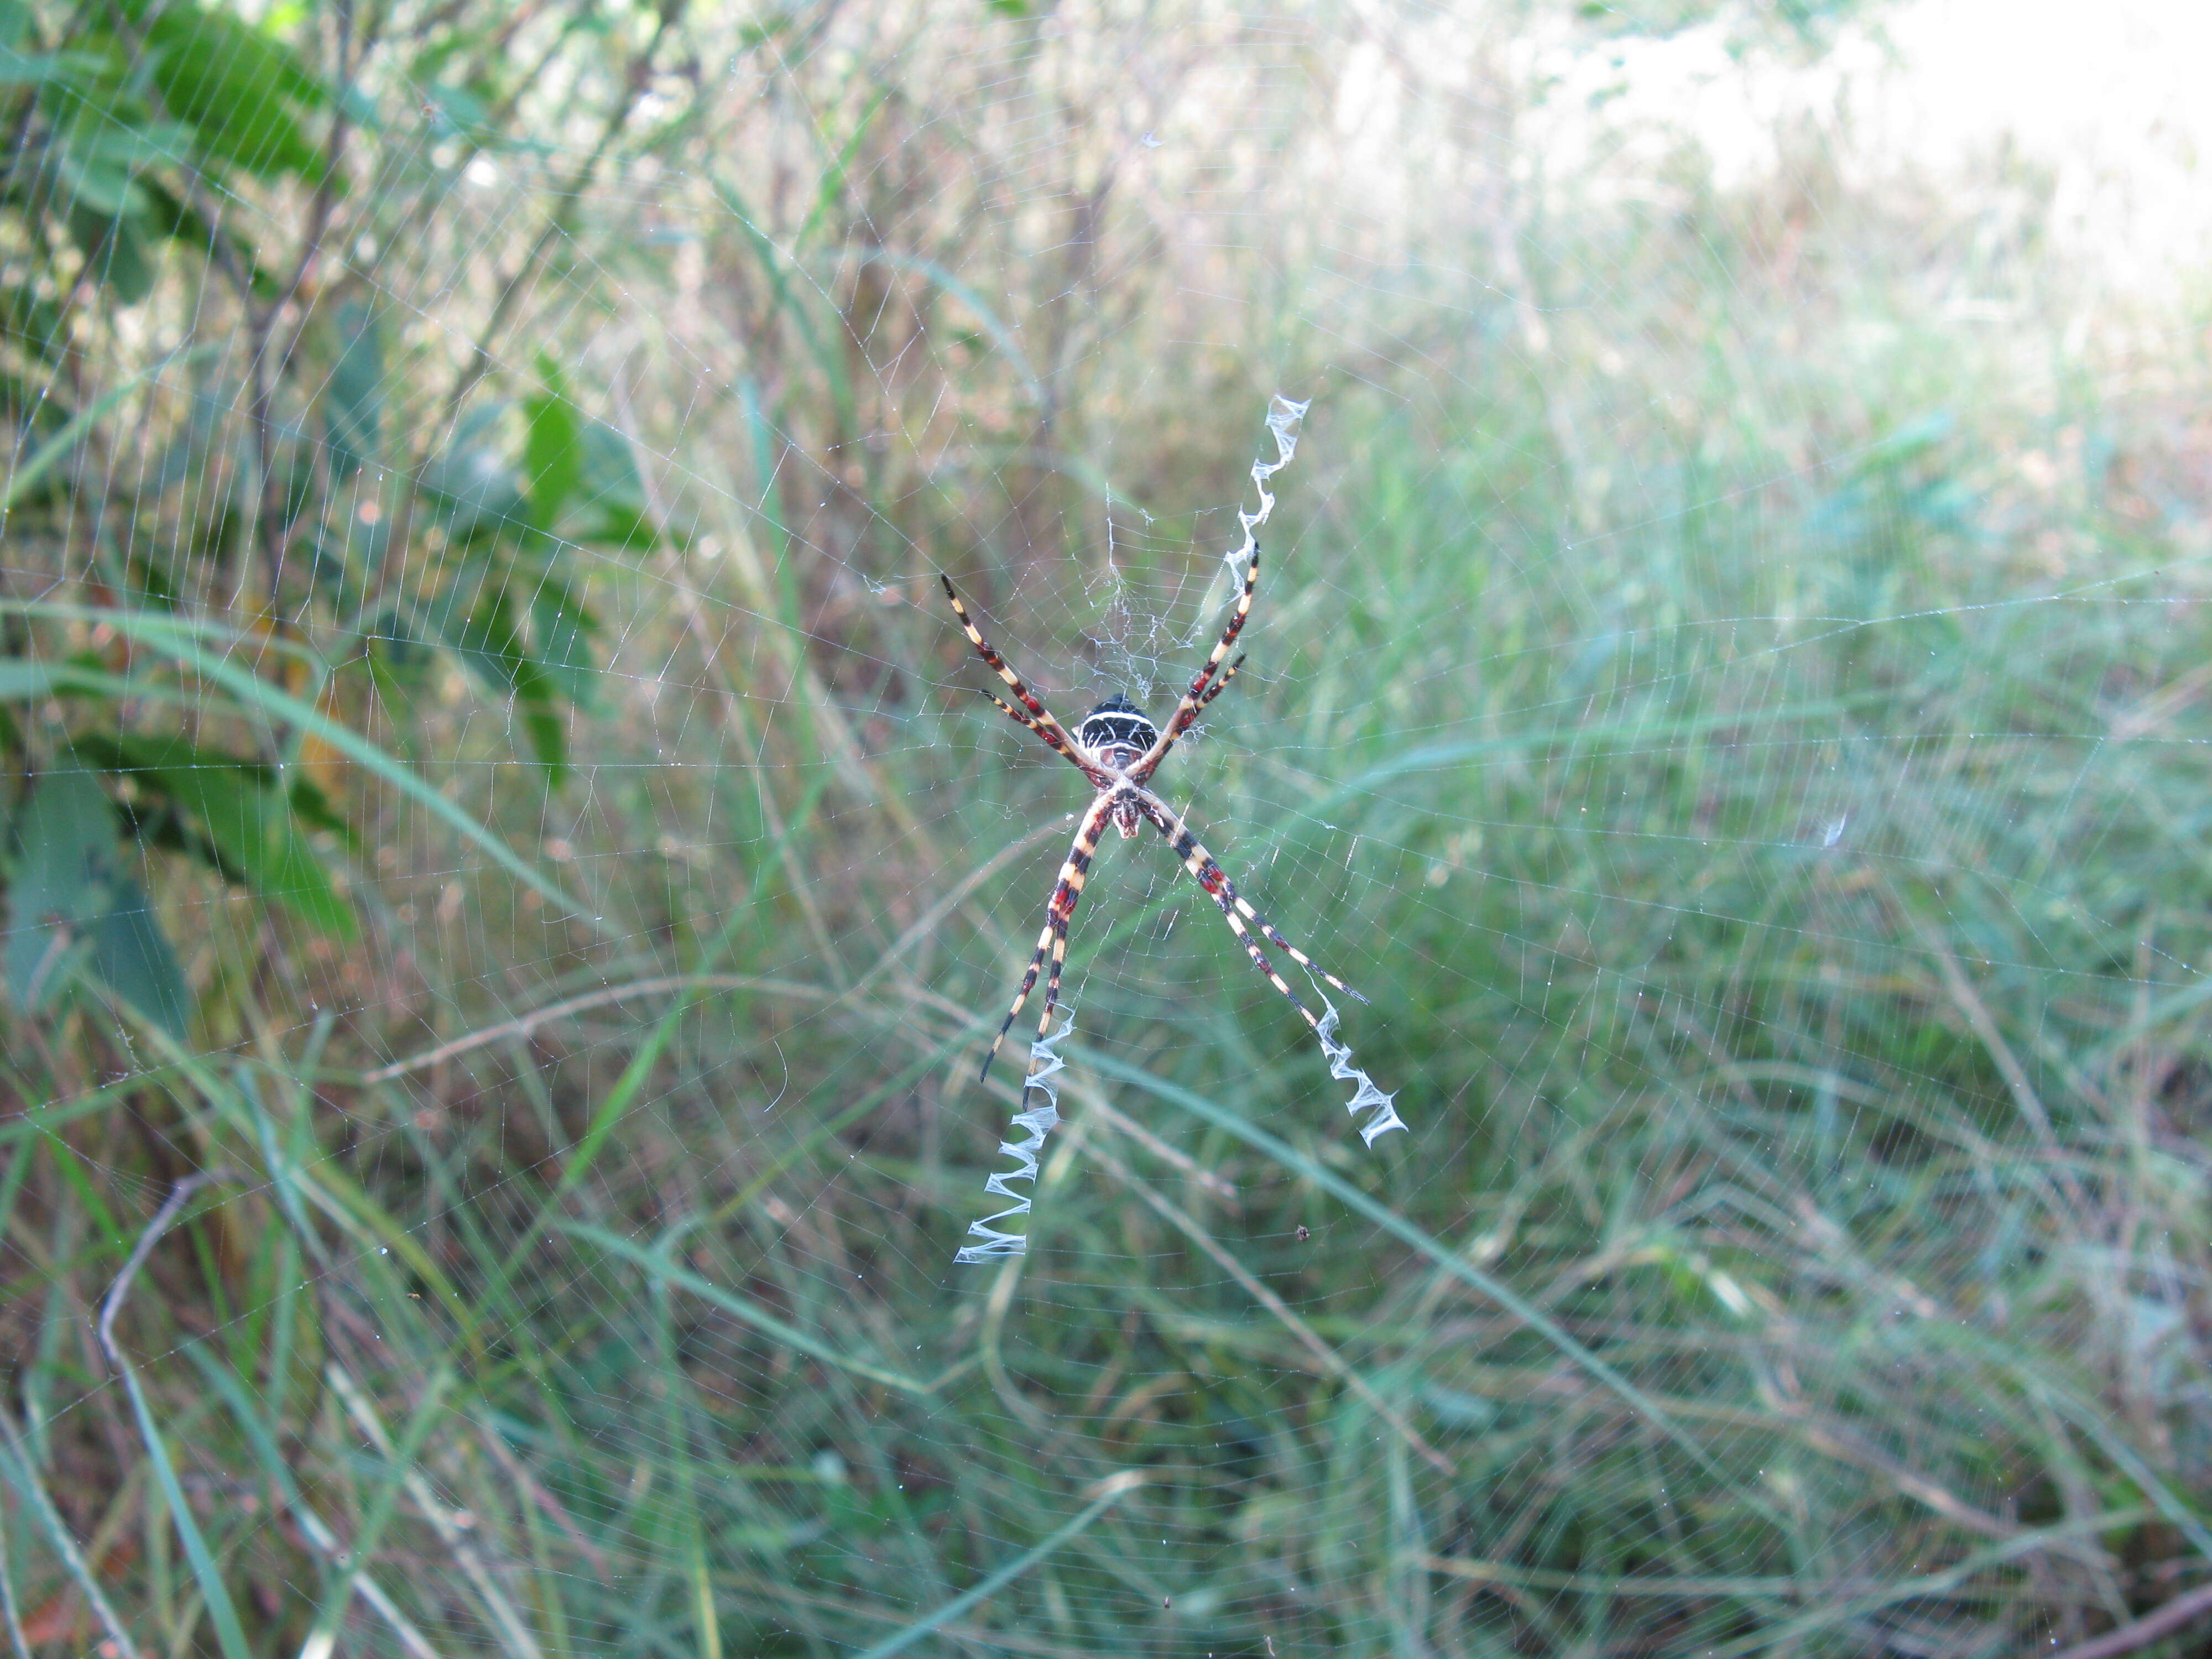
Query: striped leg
{"points": [[1221, 684], [1210, 876], [1197, 697], [1031, 721], [1039, 720], [1058, 915]]}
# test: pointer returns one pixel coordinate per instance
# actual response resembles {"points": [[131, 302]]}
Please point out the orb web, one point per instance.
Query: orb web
{"points": [[509, 882]]}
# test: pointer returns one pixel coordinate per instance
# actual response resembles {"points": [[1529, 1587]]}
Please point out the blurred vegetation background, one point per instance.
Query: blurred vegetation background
{"points": [[507, 879]]}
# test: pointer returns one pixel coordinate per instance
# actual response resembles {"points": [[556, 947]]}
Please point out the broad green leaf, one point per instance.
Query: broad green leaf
{"points": [[130, 956], [472, 486], [114, 248], [477, 622], [314, 810], [564, 628], [180, 643], [237, 89], [67, 871], [612, 491], [458, 109], [42, 68], [353, 403], [548, 734], [236, 804], [100, 189], [253, 826], [552, 450]]}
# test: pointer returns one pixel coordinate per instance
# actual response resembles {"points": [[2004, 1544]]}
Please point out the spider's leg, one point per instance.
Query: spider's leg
{"points": [[1034, 725], [1221, 684], [1039, 720], [1235, 909], [1196, 698], [1065, 893]]}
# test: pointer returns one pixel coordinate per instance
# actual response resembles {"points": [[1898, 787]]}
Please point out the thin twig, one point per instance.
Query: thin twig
{"points": [[1221, 1187], [2180, 1611], [523, 1024], [557, 221], [164, 1218]]}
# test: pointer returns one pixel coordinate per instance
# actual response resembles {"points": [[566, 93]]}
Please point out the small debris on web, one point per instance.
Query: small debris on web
{"points": [[1036, 1123]]}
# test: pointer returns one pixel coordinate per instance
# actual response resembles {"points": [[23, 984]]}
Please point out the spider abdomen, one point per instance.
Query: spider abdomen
{"points": [[1117, 734]]}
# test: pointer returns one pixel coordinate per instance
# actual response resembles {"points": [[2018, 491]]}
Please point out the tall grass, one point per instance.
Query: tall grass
{"points": [[1739, 729]]}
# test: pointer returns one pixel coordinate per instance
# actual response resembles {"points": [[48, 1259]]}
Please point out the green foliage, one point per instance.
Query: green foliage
{"points": [[244, 96], [229, 811], [353, 405], [134, 109], [568, 912], [74, 908]]}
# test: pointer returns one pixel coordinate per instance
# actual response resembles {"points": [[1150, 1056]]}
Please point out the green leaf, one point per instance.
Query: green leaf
{"points": [[549, 735], [104, 191], [471, 485], [239, 90], [41, 69], [552, 450], [246, 820], [115, 249], [314, 810], [456, 110], [72, 908], [353, 403], [564, 628], [613, 491], [129, 954], [477, 622], [181, 644], [252, 827], [68, 871]]}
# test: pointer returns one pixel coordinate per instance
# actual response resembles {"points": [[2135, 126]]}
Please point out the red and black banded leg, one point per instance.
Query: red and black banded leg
{"points": [[1210, 876], [1221, 684], [1065, 892], [1029, 720], [1197, 697], [1039, 719]]}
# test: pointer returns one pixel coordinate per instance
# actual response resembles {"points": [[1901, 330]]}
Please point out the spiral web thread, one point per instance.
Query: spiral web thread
{"points": [[1035, 1124]]}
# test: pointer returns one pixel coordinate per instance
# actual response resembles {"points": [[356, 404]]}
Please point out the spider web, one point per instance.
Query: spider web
{"points": [[509, 882]]}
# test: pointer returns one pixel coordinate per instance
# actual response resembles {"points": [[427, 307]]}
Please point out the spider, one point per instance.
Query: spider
{"points": [[1118, 749]]}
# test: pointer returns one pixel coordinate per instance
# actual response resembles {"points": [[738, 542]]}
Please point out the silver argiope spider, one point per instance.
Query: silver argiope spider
{"points": [[1118, 749]]}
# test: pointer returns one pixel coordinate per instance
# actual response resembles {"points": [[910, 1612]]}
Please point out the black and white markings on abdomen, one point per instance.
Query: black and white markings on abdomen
{"points": [[1117, 724]]}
